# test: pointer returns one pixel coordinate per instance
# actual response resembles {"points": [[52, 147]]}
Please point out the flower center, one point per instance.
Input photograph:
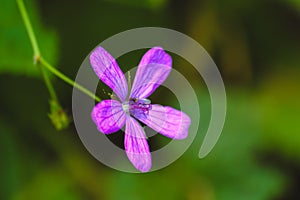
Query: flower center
{"points": [[137, 107]]}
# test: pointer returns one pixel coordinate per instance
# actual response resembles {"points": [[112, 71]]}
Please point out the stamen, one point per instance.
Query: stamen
{"points": [[139, 107]]}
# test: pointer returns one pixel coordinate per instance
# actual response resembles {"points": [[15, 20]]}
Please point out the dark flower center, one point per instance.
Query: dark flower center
{"points": [[138, 108]]}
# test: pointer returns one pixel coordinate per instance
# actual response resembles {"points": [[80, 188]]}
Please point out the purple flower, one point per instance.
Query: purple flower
{"points": [[111, 115]]}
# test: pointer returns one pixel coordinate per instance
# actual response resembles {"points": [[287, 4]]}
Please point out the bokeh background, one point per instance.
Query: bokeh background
{"points": [[256, 46]]}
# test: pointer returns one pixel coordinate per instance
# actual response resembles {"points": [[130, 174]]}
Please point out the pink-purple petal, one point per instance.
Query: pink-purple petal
{"points": [[167, 121], [109, 116], [152, 71], [108, 71], [136, 145]]}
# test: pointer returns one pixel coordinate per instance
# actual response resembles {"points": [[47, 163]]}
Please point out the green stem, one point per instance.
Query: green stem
{"points": [[39, 60], [67, 79], [48, 83], [36, 50], [29, 29]]}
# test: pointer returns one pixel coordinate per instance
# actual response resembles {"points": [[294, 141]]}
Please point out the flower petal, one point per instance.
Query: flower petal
{"points": [[109, 116], [136, 145], [152, 71], [108, 71], [167, 121]]}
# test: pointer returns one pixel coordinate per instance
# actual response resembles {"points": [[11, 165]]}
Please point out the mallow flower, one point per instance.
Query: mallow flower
{"points": [[111, 115]]}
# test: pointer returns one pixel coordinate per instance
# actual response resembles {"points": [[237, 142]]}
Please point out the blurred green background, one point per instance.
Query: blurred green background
{"points": [[256, 46]]}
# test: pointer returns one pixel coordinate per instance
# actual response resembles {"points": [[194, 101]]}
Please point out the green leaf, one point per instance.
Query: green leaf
{"points": [[16, 54]]}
